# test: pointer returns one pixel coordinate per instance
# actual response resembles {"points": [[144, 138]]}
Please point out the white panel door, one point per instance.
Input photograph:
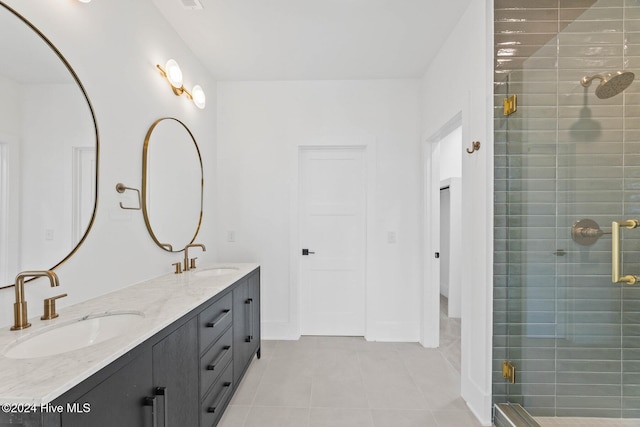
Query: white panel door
{"points": [[332, 206]]}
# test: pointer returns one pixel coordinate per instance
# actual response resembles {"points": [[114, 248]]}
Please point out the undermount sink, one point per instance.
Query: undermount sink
{"points": [[212, 272], [76, 334]]}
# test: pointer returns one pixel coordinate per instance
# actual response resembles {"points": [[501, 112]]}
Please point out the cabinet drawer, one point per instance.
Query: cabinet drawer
{"points": [[217, 399], [215, 360], [214, 320]]}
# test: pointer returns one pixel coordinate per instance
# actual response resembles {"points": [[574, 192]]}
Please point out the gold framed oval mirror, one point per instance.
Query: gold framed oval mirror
{"points": [[48, 152], [171, 196]]}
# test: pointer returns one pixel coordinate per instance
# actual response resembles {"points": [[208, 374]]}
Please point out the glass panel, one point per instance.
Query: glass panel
{"points": [[566, 155]]}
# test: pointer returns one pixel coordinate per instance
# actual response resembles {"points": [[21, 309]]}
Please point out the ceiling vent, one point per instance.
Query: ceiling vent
{"points": [[191, 4]]}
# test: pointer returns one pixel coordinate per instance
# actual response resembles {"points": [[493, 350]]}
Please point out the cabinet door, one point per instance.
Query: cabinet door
{"points": [[246, 324], [240, 330], [117, 401], [254, 317], [175, 376]]}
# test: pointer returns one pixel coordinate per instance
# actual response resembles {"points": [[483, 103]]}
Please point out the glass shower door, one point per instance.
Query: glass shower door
{"points": [[567, 165]]}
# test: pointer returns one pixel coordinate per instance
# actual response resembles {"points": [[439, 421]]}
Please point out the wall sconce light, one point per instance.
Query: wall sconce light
{"points": [[173, 74], [84, 1]]}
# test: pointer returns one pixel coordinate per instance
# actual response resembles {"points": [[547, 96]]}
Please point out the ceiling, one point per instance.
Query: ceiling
{"points": [[314, 39]]}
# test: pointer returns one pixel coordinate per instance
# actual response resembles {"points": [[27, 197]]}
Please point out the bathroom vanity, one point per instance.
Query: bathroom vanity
{"points": [[177, 366]]}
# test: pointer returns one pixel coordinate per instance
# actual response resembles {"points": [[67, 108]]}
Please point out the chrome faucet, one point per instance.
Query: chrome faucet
{"points": [[20, 306], [187, 267]]}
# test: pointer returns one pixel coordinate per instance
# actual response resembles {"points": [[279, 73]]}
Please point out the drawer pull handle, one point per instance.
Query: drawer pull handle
{"points": [[218, 359], [220, 398], [250, 336], [218, 319], [162, 391], [151, 401]]}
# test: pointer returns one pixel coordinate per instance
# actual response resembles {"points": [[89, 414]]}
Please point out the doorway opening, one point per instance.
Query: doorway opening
{"points": [[442, 300], [450, 148]]}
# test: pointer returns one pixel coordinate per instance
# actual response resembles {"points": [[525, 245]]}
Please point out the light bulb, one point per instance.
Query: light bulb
{"points": [[174, 74], [199, 98]]}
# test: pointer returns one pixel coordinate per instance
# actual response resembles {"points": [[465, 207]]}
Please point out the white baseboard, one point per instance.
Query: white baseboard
{"points": [[278, 331], [393, 332], [478, 402]]}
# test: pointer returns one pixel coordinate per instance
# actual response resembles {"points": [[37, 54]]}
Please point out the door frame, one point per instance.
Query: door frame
{"points": [[430, 313], [368, 145]]}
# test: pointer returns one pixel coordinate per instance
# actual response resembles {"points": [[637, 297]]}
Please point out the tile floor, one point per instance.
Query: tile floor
{"points": [[349, 382]]}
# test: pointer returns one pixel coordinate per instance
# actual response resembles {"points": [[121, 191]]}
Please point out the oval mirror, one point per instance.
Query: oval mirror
{"points": [[171, 195], [48, 152]]}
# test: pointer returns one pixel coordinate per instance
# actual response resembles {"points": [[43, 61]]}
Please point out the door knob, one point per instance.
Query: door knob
{"points": [[307, 252]]}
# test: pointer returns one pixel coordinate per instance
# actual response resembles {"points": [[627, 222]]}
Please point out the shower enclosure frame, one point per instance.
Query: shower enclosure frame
{"points": [[566, 155]]}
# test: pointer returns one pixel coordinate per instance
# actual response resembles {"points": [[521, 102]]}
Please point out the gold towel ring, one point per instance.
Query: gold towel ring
{"points": [[121, 188]]}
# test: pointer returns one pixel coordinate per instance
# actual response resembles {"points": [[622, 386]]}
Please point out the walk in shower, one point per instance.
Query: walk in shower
{"points": [[567, 166]]}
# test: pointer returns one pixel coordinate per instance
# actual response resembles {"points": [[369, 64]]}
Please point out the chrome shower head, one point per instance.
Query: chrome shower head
{"points": [[611, 84]]}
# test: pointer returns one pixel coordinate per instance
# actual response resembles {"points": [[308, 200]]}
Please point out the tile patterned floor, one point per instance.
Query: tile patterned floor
{"points": [[349, 382]]}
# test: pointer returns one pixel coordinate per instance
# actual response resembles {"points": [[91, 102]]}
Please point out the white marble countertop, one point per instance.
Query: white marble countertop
{"points": [[163, 300]]}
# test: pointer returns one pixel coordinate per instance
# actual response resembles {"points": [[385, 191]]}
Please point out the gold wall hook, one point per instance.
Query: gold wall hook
{"points": [[121, 188], [475, 146]]}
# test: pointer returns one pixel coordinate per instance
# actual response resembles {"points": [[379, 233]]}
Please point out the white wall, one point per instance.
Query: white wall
{"points": [[459, 81], [52, 124], [114, 46], [261, 125], [451, 155]]}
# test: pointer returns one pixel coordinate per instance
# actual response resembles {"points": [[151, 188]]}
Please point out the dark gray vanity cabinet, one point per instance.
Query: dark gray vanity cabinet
{"points": [[185, 375], [116, 398], [157, 387], [175, 376], [217, 352], [246, 324]]}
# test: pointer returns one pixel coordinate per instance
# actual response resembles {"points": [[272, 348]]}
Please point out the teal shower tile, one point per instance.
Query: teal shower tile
{"points": [[594, 111], [631, 403], [532, 197], [592, 148], [588, 123], [525, 4], [593, 39], [602, 26], [588, 390], [590, 3], [525, 15], [592, 13], [533, 353], [590, 51], [589, 185], [588, 353], [588, 412], [632, 391], [579, 135], [528, 27], [611, 366], [588, 378]]}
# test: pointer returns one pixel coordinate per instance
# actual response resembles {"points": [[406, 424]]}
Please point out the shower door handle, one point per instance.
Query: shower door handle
{"points": [[616, 275]]}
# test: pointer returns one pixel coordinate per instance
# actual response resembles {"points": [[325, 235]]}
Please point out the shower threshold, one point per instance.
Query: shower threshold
{"points": [[587, 422], [512, 415]]}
